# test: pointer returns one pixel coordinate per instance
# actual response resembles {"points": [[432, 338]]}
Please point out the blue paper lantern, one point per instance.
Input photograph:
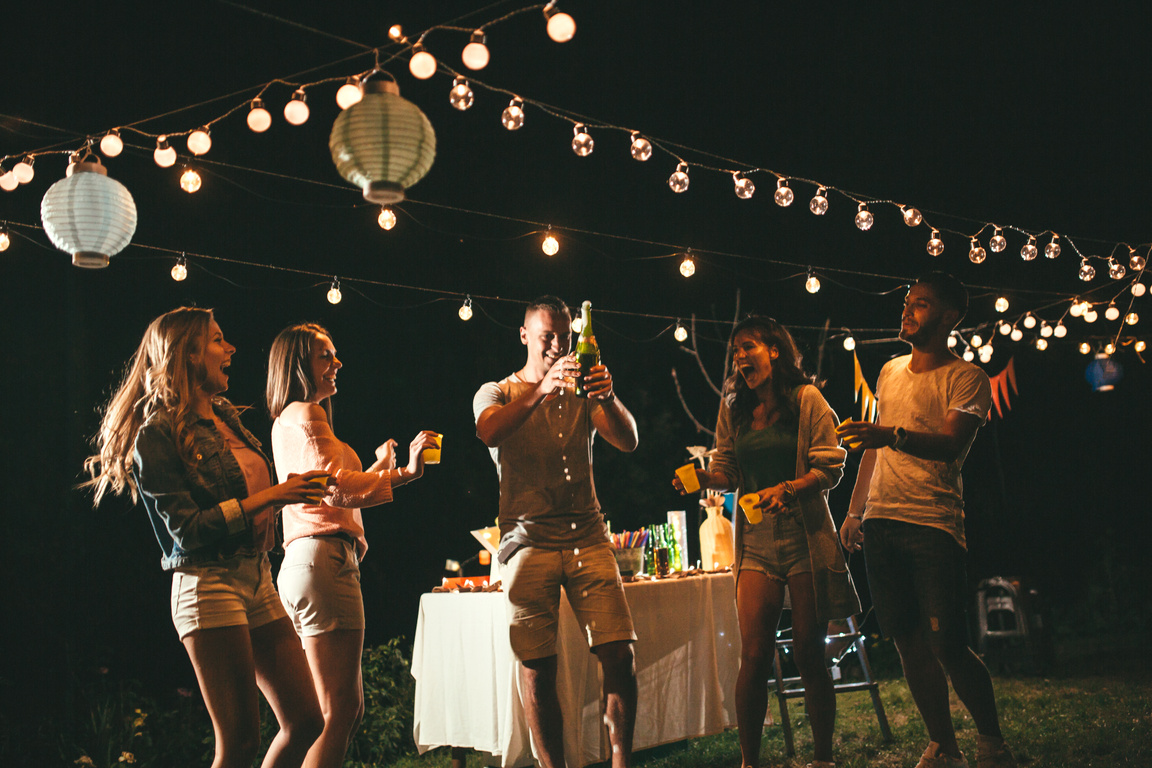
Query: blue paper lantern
{"points": [[1103, 373]]}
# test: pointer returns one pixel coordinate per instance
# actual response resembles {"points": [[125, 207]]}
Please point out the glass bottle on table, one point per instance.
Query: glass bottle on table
{"points": [[587, 350]]}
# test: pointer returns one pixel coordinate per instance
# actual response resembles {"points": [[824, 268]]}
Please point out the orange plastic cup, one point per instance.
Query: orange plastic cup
{"points": [[687, 475], [748, 503]]}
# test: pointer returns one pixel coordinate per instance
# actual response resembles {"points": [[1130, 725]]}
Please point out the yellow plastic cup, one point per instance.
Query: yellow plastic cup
{"points": [[748, 503], [849, 444], [687, 475], [432, 455]]}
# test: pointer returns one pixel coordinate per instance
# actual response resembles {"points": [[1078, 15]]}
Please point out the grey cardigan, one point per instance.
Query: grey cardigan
{"points": [[817, 450]]}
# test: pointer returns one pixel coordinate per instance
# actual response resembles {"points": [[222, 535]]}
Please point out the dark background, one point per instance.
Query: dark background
{"points": [[1031, 115]]}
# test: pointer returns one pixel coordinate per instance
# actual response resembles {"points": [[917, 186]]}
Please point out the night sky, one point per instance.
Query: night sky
{"points": [[1030, 116]]}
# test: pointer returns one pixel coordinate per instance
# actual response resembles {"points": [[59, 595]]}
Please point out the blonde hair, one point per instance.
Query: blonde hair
{"points": [[290, 368], [159, 377]]}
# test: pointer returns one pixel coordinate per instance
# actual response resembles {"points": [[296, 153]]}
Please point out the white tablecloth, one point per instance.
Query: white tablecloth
{"points": [[687, 658]]}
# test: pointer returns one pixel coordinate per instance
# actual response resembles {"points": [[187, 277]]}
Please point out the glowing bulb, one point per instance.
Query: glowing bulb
{"points": [[688, 265], [641, 147], [744, 187], [5, 239], [1109, 348], [819, 202], [180, 270], [1016, 334], [258, 118], [199, 142], [1004, 328], [952, 341], [997, 243], [976, 341], [296, 111], [681, 333], [190, 180], [334, 294], [582, 143], [1085, 348], [475, 54], [783, 195], [1090, 316], [550, 246], [422, 65], [850, 343], [1138, 289], [1052, 250], [1041, 344], [1116, 270], [1141, 346], [1029, 321], [1112, 313], [1087, 271], [23, 171], [465, 310], [387, 218], [1028, 251], [986, 353], [1045, 330], [678, 181], [8, 181], [912, 216], [396, 33], [1001, 304], [1131, 318], [461, 96], [577, 324], [111, 145], [863, 218], [1076, 309], [164, 155], [968, 355], [976, 252], [513, 115], [935, 244], [350, 93], [1060, 331], [812, 284], [1136, 261], [561, 26]]}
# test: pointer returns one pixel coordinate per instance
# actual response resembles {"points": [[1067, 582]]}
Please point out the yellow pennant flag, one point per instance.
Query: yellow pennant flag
{"points": [[863, 394]]}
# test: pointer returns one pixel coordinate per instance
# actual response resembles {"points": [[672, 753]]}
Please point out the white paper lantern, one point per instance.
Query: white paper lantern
{"points": [[88, 214]]}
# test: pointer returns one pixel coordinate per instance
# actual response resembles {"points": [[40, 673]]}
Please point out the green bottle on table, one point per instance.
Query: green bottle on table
{"points": [[587, 350]]}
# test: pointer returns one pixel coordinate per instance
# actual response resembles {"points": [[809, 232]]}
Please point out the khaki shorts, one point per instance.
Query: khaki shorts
{"points": [[320, 585], [228, 593], [532, 580]]}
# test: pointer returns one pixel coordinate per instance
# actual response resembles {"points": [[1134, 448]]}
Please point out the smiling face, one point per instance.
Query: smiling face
{"points": [[753, 358], [925, 317], [323, 364], [213, 361], [548, 336]]}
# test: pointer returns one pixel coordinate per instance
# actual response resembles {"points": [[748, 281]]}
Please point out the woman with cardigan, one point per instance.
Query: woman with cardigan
{"points": [[775, 437]]}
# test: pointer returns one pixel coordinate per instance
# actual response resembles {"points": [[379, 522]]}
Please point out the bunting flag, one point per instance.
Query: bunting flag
{"points": [[1000, 383], [863, 394]]}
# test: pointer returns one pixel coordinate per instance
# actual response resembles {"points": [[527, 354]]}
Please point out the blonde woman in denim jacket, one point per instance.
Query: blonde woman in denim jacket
{"points": [[168, 439], [775, 436]]}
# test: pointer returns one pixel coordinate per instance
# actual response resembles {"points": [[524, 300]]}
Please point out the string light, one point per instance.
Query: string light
{"points": [[688, 265], [1138, 289], [1140, 346], [180, 269], [975, 340], [986, 353], [422, 65], [641, 147], [1028, 251], [1052, 250], [681, 333], [1004, 328], [190, 180], [259, 120], [296, 111], [199, 141], [976, 252], [953, 340], [678, 181], [1077, 308], [8, 181], [396, 33], [1085, 347], [819, 202], [783, 195], [744, 187], [561, 26], [577, 324], [912, 216], [1136, 261], [1029, 321], [1041, 344], [935, 244], [334, 294], [465, 310], [812, 284], [1116, 270], [1113, 312], [1001, 304], [387, 218], [164, 155], [969, 356], [475, 54], [850, 343], [5, 238], [1090, 316], [550, 246], [1045, 330], [350, 93], [863, 218], [582, 143], [461, 96], [1131, 318], [1109, 349], [1087, 271], [111, 144], [23, 171], [1016, 334], [1060, 331], [997, 243], [513, 116]]}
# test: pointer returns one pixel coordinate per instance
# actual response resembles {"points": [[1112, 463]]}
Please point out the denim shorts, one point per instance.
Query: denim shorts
{"points": [[532, 580], [777, 546], [229, 593], [320, 585], [918, 578]]}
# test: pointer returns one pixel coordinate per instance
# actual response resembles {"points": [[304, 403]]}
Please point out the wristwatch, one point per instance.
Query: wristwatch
{"points": [[901, 437]]}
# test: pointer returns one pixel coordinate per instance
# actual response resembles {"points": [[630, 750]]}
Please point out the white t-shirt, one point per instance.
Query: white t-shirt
{"points": [[922, 491]]}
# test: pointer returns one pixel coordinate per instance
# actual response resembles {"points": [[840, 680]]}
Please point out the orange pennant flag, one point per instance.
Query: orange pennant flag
{"points": [[863, 394], [1000, 384]]}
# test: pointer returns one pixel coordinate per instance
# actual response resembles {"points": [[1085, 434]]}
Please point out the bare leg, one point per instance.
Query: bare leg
{"points": [[334, 658], [972, 683], [224, 667], [929, 687], [759, 600], [618, 663], [542, 709], [283, 677], [808, 641]]}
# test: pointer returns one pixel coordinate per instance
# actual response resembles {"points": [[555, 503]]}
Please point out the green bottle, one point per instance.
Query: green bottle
{"points": [[587, 351]]}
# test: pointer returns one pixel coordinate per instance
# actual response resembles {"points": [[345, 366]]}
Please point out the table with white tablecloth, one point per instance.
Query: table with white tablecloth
{"points": [[687, 658]]}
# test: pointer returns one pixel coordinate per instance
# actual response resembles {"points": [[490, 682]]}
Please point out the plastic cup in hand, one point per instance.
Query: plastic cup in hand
{"points": [[849, 444], [748, 503], [688, 478], [432, 455]]}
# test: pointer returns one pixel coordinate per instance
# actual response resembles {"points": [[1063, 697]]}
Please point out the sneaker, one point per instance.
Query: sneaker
{"points": [[933, 759], [994, 753]]}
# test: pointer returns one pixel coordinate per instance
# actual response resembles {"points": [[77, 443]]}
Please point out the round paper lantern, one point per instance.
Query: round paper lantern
{"points": [[88, 214], [383, 143], [1103, 373]]}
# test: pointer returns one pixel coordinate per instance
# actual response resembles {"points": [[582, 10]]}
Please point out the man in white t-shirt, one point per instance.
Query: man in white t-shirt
{"points": [[908, 501]]}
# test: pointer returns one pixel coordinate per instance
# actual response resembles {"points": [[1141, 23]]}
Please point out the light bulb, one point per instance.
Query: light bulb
{"points": [[641, 147], [23, 171], [387, 218], [1136, 261], [850, 343], [350, 93], [396, 33], [863, 218], [952, 341], [1076, 309], [986, 353], [582, 143], [678, 181], [577, 324], [1004, 328], [112, 145], [975, 340], [190, 180], [681, 333], [1028, 250], [812, 284], [1041, 344], [1109, 348], [180, 270], [744, 187], [1001, 304], [1112, 313], [475, 54], [935, 244], [164, 155], [8, 181], [1052, 250], [1016, 334], [1138, 289], [1087, 271], [258, 118], [688, 265], [976, 252], [199, 142], [1116, 270], [1045, 330], [461, 96], [1131, 318], [1029, 321], [912, 216], [422, 65], [334, 294], [968, 355], [1140, 346], [819, 202], [561, 26], [997, 243], [1090, 316], [296, 111], [465, 310], [783, 195], [1060, 331], [1085, 348], [5, 239], [513, 115], [550, 245]]}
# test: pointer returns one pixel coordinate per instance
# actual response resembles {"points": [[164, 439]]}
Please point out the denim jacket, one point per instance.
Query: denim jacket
{"points": [[195, 511]]}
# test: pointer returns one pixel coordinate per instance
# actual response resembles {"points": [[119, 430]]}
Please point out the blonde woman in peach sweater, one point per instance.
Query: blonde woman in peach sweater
{"points": [[319, 580]]}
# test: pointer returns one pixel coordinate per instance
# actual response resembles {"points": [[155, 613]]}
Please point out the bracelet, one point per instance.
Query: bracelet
{"points": [[856, 517], [789, 491]]}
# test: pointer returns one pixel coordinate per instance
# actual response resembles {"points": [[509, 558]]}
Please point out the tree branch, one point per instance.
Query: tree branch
{"points": [[680, 394]]}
